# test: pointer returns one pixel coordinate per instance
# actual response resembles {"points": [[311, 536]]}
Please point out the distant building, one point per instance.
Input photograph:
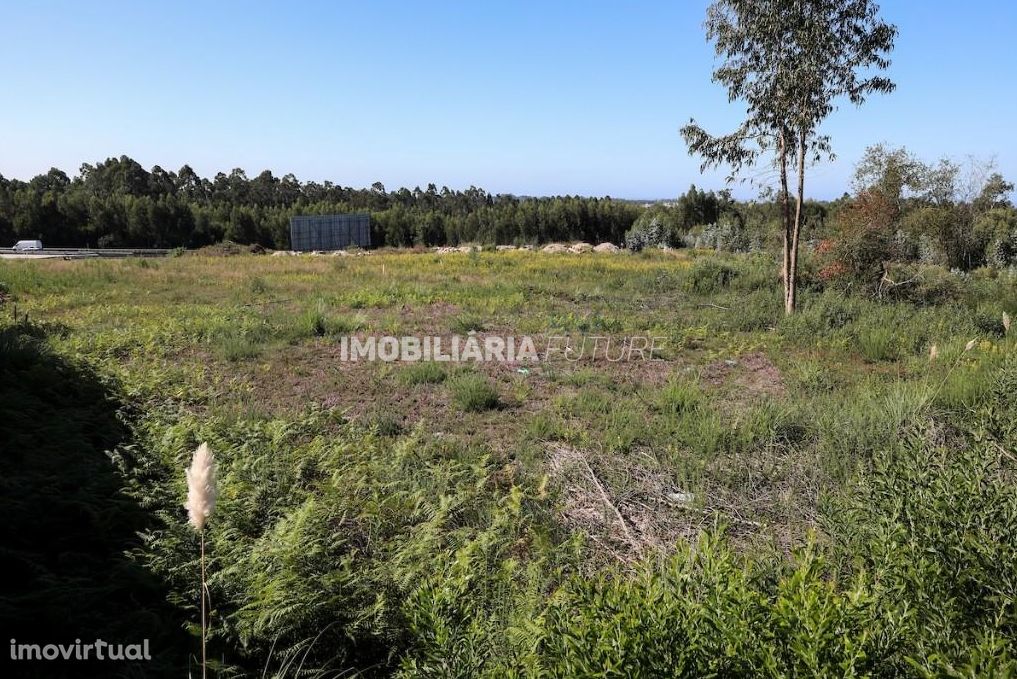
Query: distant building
{"points": [[330, 232]]}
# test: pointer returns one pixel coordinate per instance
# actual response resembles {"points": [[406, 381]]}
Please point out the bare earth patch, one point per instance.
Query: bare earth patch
{"points": [[752, 375]]}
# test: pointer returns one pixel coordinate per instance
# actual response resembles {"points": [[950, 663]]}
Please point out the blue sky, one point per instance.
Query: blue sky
{"points": [[523, 97]]}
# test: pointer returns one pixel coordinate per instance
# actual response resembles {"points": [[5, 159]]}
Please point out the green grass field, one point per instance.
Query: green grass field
{"points": [[770, 496]]}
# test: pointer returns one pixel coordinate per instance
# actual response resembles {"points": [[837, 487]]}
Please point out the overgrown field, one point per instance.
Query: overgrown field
{"points": [[765, 496]]}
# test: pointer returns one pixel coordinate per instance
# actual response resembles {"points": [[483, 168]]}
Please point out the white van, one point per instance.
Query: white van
{"points": [[23, 245]]}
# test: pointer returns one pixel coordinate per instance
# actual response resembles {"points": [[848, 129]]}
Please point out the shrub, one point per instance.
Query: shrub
{"points": [[387, 423], [727, 235], [314, 323], [761, 272], [866, 240], [258, 286], [921, 284], [657, 227], [911, 522], [708, 275], [705, 612]]}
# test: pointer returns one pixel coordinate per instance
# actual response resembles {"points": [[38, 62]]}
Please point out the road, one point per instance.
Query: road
{"points": [[82, 253]]}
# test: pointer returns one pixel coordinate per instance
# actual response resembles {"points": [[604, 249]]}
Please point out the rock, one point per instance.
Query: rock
{"points": [[504, 248], [607, 247], [580, 248], [555, 248], [281, 253]]}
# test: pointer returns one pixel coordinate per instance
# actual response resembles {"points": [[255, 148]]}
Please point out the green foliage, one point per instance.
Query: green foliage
{"points": [[423, 372], [472, 392], [706, 612], [118, 203], [466, 323], [709, 275], [317, 321], [238, 347], [658, 227], [680, 397], [426, 538], [727, 235], [938, 528], [325, 547], [923, 285], [878, 344], [667, 225], [997, 227]]}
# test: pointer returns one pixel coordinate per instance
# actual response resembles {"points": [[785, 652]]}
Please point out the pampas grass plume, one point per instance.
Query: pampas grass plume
{"points": [[201, 487], [1006, 322], [201, 494], [933, 352], [970, 345]]}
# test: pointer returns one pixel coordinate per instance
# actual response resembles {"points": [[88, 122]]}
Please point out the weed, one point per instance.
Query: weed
{"points": [[473, 392], [424, 372], [465, 323], [680, 397], [878, 344]]}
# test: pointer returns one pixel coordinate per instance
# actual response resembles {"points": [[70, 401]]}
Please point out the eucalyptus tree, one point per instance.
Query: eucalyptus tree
{"points": [[790, 62]]}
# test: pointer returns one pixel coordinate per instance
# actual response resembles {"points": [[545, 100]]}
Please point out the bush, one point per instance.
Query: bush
{"points": [[923, 285], [657, 227], [911, 523], [708, 275], [706, 612], [998, 228], [727, 235]]}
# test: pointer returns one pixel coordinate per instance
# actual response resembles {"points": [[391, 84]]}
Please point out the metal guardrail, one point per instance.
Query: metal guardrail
{"points": [[89, 252]]}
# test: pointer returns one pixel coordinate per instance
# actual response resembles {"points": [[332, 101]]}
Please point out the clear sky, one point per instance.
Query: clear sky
{"points": [[523, 97]]}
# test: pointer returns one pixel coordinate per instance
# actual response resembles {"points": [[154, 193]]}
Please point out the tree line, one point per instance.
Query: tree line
{"points": [[118, 203]]}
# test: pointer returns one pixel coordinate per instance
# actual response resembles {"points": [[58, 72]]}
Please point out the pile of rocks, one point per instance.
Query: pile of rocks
{"points": [[552, 248], [321, 253], [448, 249], [580, 248]]}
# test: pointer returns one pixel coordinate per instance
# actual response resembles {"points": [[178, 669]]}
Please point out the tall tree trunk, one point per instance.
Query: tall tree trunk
{"points": [[791, 286], [785, 213]]}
